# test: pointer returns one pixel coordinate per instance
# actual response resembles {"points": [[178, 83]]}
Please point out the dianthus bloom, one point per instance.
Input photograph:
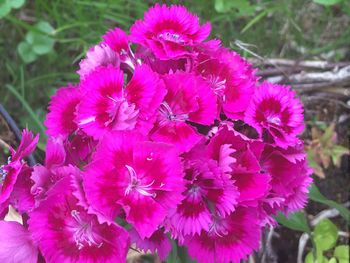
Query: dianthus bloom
{"points": [[169, 31], [167, 140]]}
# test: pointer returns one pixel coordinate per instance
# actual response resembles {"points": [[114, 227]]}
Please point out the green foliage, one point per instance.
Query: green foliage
{"points": [[242, 7], [327, 2], [295, 221], [7, 5], [38, 41], [325, 235], [342, 253], [316, 196]]}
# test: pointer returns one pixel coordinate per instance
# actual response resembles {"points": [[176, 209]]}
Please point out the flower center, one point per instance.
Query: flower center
{"points": [[83, 234], [218, 228], [273, 119], [173, 37], [167, 112], [123, 116], [135, 184], [217, 85]]}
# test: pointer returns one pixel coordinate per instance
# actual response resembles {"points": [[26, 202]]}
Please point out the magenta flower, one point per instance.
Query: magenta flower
{"points": [[65, 232], [16, 244], [60, 119], [143, 178], [117, 40], [208, 191], [229, 239], [158, 243], [169, 31], [239, 157], [290, 175], [97, 56], [107, 106], [230, 77], [10, 171], [189, 99], [276, 114]]}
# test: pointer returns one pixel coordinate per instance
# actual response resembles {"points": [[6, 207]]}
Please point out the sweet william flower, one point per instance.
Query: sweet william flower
{"points": [[169, 31], [10, 171], [290, 175], [107, 106], [208, 191], [228, 239], [230, 77], [276, 114], [65, 232], [60, 119], [189, 99], [142, 178]]}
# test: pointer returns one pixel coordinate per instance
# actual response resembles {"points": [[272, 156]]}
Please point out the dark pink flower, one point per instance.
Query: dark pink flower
{"points": [[208, 191], [228, 239], [169, 31], [107, 106], [276, 114], [290, 175], [144, 178], [157, 243], [230, 76], [97, 56], [60, 119], [16, 244], [239, 157], [65, 232], [10, 171], [189, 99], [117, 40]]}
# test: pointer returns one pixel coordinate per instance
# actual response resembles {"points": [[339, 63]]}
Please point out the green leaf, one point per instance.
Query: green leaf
{"points": [[325, 235], [17, 3], [295, 221], [327, 2], [173, 257], [332, 260], [316, 196], [255, 20], [342, 253], [310, 259], [337, 152], [243, 7], [5, 8], [41, 41], [26, 53]]}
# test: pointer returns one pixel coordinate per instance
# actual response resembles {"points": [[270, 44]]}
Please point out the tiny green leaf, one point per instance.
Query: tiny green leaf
{"points": [[17, 3], [316, 195], [26, 53], [41, 41], [342, 253], [5, 8], [295, 221], [327, 2], [325, 235], [310, 259]]}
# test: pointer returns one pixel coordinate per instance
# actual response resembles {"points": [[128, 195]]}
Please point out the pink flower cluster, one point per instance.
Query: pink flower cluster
{"points": [[167, 136]]}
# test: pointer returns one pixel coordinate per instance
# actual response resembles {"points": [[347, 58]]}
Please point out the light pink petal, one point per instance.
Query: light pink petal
{"points": [[97, 56], [16, 244]]}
